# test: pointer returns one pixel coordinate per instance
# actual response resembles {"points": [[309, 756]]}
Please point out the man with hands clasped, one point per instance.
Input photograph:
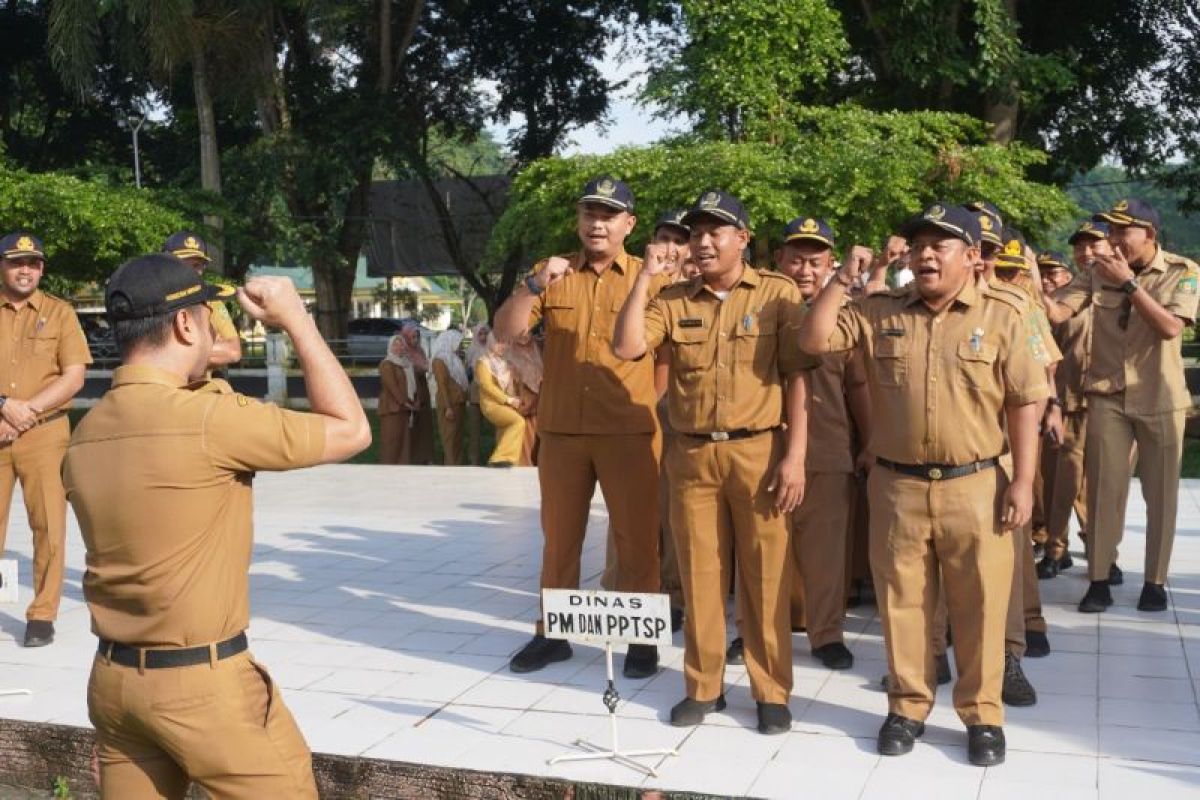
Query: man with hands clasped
{"points": [[736, 474]]}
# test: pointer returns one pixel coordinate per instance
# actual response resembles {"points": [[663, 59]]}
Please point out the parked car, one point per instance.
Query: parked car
{"points": [[99, 335], [368, 337]]}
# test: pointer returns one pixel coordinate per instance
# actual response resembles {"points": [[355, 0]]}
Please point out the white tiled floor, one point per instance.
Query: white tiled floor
{"points": [[387, 601]]}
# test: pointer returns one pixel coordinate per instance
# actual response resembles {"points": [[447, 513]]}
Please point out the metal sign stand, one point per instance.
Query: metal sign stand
{"points": [[614, 752], [8, 594]]}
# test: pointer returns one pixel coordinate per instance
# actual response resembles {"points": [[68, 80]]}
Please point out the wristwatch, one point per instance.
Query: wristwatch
{"points": [[533, 286], [1130, 286]]}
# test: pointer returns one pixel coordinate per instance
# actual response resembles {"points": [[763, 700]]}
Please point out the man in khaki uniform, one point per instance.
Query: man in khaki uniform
{"points": [[946, 358], [596, 414], [160, 476], [43, 356], [840, 404], [735, 379], [1142, 298], [193, 251]]}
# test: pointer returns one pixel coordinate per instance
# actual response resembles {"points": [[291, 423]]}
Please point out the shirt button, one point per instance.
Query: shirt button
{"points": [[723, 334], [719, 364]]}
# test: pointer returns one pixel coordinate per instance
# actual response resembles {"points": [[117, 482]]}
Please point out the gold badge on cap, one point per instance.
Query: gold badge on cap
{"points": [[809, 226], [710, 200], [935, 212], [1121, 205], [192, 243], [1012, 247], [985, 222], [25, 243], [1087, 226]]}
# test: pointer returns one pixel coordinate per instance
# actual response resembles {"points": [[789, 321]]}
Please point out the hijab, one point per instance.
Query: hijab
{"points": [[525, 357], [445, 349]]}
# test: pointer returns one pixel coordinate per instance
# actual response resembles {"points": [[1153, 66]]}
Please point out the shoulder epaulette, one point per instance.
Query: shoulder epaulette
{"points": [[1018, 300], [1172, 258]]}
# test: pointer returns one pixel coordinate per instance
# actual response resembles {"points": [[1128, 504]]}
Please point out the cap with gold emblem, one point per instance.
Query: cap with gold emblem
{"points": [[1052, 259], [1138, 213], [990, 221], [155, 284], [186, 245], [21, 245], [1094, 228], [957, 221], [720, 205], [673, 219], [809, 229], [1012, 251], [608, 191]]}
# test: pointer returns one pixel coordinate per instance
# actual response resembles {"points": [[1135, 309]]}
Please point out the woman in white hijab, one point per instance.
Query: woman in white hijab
{"points": [[500, 401], [451, 376]]}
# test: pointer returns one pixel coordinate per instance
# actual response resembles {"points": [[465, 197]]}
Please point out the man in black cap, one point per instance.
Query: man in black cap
{"points": [[193, 251], [1142, 299], [43, 356], [946, 357], [596, 413], [160, 476]]}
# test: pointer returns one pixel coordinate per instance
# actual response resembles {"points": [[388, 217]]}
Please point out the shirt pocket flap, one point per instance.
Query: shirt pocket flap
{"points": [[891, 346], [683, 335], [983, 352]]}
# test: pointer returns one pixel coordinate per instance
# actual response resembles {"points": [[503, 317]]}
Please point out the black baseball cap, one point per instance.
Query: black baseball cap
{"points": [[1094, 228], [154, 284], [186, 244], [21, 244], [808, 229], [1012, 251], [1138, 213], [720, 205], [673, 219], [958, 221], [1052, 259], [608, 191]]}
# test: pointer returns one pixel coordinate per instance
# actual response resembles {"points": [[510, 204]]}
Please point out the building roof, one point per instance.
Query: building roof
{"points": [[302, 277]]}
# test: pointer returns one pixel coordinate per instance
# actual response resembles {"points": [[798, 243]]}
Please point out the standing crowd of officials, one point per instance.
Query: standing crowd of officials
{"points": [[937, 411]]}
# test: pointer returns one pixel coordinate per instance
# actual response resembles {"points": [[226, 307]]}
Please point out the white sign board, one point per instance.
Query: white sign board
{"points": [[600, 617], [8, 580]]}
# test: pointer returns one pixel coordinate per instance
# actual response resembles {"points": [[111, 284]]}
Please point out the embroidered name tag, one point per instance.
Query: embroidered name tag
{"points": [[891, 332], [691, 323]]}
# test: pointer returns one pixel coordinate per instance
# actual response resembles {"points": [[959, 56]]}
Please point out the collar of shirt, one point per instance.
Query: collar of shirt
{"points": [[1157, 264], [750, 277], [620, 263], [143, 373], [34, 301], [967, 296]]}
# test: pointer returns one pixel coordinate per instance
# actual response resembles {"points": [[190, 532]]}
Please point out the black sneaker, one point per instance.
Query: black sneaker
{"points": [[1154, 598], [676, 620], [1018, 691], [942, 663], [898, 735], [1115, 576], [688, 712], [39, 633], [985, 745], [834, 656], [1049, 567], [774, 718], [736, 654], [641, 661], [1036, 644], [1098, 598], [539, 653]]}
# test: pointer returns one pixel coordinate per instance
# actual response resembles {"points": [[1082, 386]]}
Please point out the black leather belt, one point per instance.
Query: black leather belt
{"points": [[128, 656], [939, 472], [727, 436]]}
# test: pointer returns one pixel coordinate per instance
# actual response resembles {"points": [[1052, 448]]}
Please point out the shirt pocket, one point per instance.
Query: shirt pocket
{"points": [[689, 349], [977, 366], [561, 312], [891, 360], [755, 345], [43, 345]]}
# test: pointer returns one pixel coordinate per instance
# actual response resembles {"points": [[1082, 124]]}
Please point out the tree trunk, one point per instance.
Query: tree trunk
{"points": [[210, 156], [1001, 114], [333, 280]]}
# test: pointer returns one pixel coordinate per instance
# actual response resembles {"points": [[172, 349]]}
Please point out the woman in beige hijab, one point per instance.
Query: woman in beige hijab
{"points": [[451, 376], [525, 358], [405, 415], [500, 401]]}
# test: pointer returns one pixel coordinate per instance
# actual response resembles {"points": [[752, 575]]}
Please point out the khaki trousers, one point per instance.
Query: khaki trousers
{"points": [[720, 504], [1024, 599], [917, 528], [820, 535], [1067, 486], [35, 459], [393, 438], [1111, 433], [222, 725], [451, 431], [626, 466]]}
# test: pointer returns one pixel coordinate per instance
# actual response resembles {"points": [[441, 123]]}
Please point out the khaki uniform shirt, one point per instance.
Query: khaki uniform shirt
{"points": [[1074, 338], [586, 388], [729, 358], [36, 343], [159, 475], [940, 381], [1127, 355], [830, 440]]}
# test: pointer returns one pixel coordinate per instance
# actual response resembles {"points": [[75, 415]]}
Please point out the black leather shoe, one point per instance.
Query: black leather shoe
{"points": [[1017, 691], [736, 654], [38, 633], [1036, 644], [985, 745], [834, 656], [774, 718], [942, 663], [641, 661], [1154, 598], [1115, 576], [676, 620], [1065, 563], [539, 653], [1047, 568], [688, 712], [1098, 598], [898, 735]]}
